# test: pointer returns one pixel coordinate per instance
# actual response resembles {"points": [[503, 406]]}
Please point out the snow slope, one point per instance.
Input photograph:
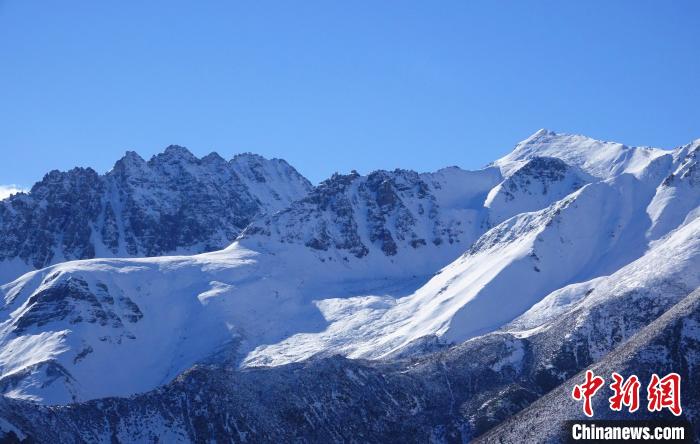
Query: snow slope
{"points": [[451, 395], [677, 197], [591, 233]]}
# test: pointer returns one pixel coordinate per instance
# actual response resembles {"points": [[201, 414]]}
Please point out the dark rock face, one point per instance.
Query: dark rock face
{"points": [[171, 203], [541, 170], [71, 297], [387, 211], [540, 182], [63, 202]]}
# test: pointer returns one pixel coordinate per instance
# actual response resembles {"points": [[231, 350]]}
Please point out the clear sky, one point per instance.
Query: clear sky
{"points": [[334, 86]]}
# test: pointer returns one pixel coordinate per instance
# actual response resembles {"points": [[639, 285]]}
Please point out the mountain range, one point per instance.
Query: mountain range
{"points": [[232, 300]]}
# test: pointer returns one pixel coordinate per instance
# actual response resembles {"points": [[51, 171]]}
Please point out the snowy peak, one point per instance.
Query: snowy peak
{"points": [[600, 159], [172, 203], [175, 153], [130, 164]]}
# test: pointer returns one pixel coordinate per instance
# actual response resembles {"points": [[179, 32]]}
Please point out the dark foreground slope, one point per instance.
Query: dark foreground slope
{"points": [[669, 344], [449, 396]]}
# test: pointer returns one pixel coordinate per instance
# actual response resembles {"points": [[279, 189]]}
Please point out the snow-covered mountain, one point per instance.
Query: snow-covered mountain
{"points": [[566, 237], [173, 203]]}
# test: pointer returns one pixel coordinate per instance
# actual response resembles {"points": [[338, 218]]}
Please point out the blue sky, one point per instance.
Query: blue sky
{"points": [[334, 86]]}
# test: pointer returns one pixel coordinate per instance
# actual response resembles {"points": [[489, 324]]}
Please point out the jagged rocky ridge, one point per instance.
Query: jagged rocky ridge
{"points": [[384, 213], [173, 203], [639, 225]]}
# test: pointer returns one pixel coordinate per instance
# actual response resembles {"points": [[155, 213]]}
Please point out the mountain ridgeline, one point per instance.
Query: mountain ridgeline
{"points": [[397, 306]]}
